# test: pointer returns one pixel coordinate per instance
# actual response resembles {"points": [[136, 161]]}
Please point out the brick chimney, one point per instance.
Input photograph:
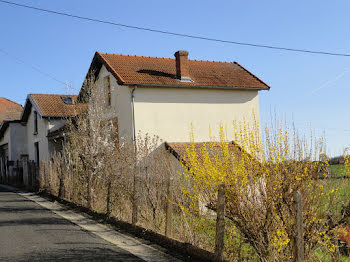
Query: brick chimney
{"points": [[182, 68]]}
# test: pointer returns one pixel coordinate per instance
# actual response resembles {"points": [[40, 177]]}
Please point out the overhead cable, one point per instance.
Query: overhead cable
{"points": [[177, 34]]}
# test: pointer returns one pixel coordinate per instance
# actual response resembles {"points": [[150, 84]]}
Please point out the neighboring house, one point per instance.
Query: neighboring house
{"points": [[37, 131], [164, 97], [44, 116], [9, 110], [11, 135]]}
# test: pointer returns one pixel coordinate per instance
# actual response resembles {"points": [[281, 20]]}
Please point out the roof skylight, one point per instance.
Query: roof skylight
{"points": [[68, 100]]}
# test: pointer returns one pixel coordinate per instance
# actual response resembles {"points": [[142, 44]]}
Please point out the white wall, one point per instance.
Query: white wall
{"points": [[21, 139], [39, 137], [44, 125], [120, 103], [15, 138], [169, 112], [18, 140], [6, 140]]}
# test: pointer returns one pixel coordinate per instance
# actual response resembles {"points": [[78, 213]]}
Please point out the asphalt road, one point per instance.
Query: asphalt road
{"points": [[29, 232]]}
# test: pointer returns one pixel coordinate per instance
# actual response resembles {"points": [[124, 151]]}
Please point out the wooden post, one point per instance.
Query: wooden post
{"points": [[220, 223], [30, 179], [25, 173], [37, 173], [108, 199], [299, 235], [169, 208], [17, 174], [135, 202], [61, 191], [43, 179], [33, 170], [7, 170], [33, 175]]}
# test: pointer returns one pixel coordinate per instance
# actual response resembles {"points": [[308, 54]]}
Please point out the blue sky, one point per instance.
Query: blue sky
{"points": [[311, 89]]}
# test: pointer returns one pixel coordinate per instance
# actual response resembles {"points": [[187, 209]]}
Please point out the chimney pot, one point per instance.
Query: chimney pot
{"points": [[182, 67]]}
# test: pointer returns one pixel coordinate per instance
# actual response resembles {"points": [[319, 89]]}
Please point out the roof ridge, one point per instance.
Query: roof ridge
{"points": [[158, 71], [157, 57], [210, 61], [52, 94], [137, 56]]}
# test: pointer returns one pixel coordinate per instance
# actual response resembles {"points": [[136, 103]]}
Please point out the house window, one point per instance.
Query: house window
{"points": [[35, 122], [107, 86], [36, 146]]}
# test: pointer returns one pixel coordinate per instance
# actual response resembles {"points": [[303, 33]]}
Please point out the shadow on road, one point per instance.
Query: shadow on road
{"points": [[22, 209], [34, 221], [78, 254]]}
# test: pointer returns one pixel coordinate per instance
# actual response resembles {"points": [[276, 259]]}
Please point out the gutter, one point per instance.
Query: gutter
{"points": [[199, 87]]}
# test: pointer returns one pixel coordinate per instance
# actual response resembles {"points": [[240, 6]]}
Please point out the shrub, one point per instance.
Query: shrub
{"points": [[261, 175]]}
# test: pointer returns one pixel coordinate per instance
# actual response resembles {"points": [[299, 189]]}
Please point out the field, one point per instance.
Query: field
{"points": [[337, 170], [244, 251]]}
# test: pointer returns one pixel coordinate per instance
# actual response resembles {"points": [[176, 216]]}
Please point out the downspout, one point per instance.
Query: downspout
{"points": [[135, 187], [133, 114]]}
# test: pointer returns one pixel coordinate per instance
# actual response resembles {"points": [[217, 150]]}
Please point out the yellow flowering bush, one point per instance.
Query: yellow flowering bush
{"points": [[261, 173]]}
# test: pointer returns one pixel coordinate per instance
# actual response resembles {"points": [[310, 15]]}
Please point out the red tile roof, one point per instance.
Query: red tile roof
{"points": [[57, 132], [162, 72], [53, 105], [180, 150], [9, 110], [213, 149]]}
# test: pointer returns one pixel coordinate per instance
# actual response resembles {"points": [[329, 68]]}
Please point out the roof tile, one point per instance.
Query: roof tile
{"points": [[162, 71], [53, 105], [9, 110], [181, 150]]}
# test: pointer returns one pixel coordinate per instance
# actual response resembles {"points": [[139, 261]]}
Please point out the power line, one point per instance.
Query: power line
{"points": [[32, 67], [176, 34]]}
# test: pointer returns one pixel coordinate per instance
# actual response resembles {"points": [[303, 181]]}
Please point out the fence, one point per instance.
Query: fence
{"points": [[149, 201], [164, 215], [28, 174], [21, 174]]}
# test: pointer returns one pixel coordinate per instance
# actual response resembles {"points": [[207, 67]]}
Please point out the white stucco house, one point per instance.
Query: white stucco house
{"points": [[11, 136], [165, 96], [43, 115], [35, 133]]}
